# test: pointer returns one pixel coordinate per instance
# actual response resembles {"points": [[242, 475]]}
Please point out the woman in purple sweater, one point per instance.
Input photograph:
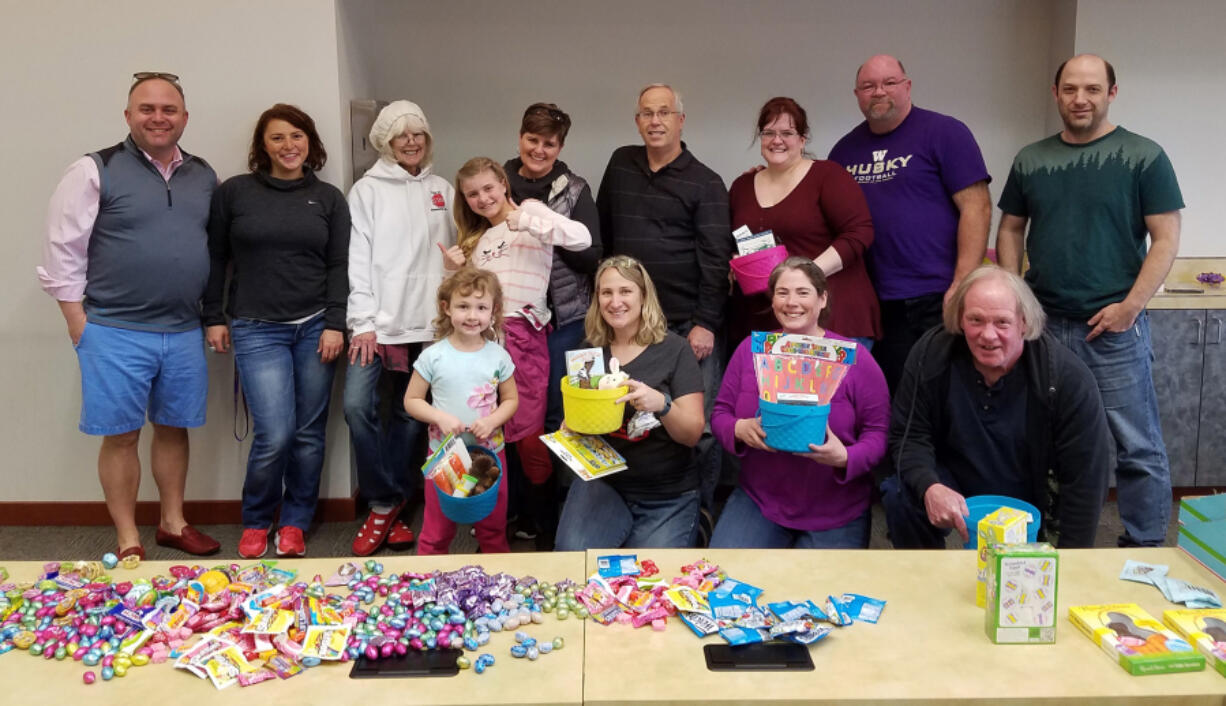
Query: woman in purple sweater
{"points": [[818, 499]]}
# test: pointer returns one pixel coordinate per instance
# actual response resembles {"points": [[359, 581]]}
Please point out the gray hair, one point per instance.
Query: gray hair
{"points": [[676, 95], [1028, 307]]}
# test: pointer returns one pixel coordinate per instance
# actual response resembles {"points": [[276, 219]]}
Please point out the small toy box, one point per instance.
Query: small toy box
{"points": [[1135, 640], [1005, 525], [1203, 627], [1021, 593]]}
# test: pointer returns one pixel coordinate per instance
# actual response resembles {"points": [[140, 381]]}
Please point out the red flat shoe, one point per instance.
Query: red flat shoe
{"points": [[374, 531], [190, 540], [401, 537], [138, 550]]}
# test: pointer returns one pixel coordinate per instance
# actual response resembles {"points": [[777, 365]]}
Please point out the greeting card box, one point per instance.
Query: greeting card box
{"points": [[1203, 627], [1005, 525]]}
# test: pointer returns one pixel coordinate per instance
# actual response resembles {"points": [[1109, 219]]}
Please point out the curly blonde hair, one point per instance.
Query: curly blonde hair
{"points": [[468, 280], [652, 324]]}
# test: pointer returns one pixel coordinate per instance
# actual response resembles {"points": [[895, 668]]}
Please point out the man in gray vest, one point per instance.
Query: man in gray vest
{"points": [[127, 259]]}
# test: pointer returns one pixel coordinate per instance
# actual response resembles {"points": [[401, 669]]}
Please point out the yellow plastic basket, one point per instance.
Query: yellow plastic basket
{"points": [[592, 411]]}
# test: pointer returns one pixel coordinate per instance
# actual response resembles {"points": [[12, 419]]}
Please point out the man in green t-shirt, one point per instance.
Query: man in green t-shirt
{"points": [[1091, 195]]}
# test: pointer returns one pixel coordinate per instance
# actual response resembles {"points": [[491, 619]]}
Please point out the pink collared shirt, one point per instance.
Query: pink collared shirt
{"points": [[70, 221]]}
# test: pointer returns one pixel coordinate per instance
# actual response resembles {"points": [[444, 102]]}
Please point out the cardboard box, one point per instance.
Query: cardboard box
{"points": [[1021, 586], [1005, 525], [1203, 627], [1137, 642]]}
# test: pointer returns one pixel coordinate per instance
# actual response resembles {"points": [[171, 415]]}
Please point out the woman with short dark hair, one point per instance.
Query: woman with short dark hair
{"points": [[284, 234]]}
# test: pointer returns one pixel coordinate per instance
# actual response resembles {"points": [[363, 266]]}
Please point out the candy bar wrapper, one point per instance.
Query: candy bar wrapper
{"points": [[789, 610], [863, 608], [791, 626], [325, 641], [613, 565], [285, 576], [283, 667], [738, 590], [180, 616], [194, 658], [639, 621], [702, 566], [271, 621], [255, 677], [687, 599], [809, 637], [701, 623], [743, 636], [753, 618], [256, 604], [225, 667], [836, 614]]}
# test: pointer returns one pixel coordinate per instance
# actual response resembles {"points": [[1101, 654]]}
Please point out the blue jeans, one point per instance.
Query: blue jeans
{"points": [[1122, 366], [906, 518], [598, 517], [287, 389], [742, 526], [567, 337], [382, 443]]}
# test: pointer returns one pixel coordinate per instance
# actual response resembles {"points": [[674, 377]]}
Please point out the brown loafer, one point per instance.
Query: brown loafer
{"points": [[190, 540], [137, 549]]}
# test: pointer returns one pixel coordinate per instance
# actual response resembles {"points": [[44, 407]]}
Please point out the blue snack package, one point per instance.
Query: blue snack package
{"points": [[836, 614], [726, 607], [614, 565], [701, 623], [754, 618], [863, 608], [808, 637], [790, 610], [742, 636], [741, 591]]}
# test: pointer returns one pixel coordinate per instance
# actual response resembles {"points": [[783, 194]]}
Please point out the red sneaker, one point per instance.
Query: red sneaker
{"points": [[401, 537], [253, 544], [290, 542], [374, 531]]}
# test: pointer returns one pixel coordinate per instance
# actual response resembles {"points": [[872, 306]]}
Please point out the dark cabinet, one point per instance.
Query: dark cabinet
{"points": [[1190, 380]]}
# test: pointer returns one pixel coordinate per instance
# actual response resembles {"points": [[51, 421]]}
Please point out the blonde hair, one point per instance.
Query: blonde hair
{"points": [[472, 226], [1028, 306], [652, 324], [468, 280]]}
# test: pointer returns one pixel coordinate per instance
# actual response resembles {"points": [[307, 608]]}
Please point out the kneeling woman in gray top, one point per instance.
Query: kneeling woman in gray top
{"points": [[285, 236], [654, 502]]}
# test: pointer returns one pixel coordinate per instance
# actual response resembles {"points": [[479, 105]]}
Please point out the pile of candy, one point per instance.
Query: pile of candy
{"points": [[627, 591], [256, 623]]}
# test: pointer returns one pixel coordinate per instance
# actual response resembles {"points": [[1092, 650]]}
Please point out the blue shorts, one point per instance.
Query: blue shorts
{"points": [[126, 373]]}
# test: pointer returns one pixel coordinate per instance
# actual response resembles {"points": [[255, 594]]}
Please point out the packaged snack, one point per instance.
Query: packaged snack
{"points": [[836, 614], [1205, 628], [1135, 640], [325, 641], [224, 667], [701, 623], [863, 608], [743, 636], [1021, 593], [613, 565]]}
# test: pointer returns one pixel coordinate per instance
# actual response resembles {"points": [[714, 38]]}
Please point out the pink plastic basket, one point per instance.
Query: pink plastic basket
{"points": [[753, 271]]}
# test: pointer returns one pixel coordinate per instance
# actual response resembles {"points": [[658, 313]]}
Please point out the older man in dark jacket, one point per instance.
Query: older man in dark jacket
{"points": [[990, 404]]}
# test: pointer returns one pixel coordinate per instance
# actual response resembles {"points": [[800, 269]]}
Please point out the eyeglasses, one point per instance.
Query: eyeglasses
{"points": [[664, 114], [889, 85], [768, 135], [146, 75], [410, 137]]}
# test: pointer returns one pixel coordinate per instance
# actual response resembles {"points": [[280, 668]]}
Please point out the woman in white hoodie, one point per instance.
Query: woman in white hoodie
{"points": [[401, 224]]}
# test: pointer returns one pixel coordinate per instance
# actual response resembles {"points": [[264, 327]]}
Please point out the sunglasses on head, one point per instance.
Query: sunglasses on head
{"points": [[146, 75]]}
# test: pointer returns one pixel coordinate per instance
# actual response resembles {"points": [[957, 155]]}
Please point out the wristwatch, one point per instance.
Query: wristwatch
{"points": [[668, 405]]}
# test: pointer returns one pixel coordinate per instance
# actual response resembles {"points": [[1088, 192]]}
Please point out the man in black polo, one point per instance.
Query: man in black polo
{"points": [[662, 206]]}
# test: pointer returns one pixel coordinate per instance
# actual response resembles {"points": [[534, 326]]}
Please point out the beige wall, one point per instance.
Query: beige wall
{"points": [[474, 65], [66, 71]]}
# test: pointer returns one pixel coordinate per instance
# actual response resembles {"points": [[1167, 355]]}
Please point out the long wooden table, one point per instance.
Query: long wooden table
{"points": [[928, 646], [556, 678]]}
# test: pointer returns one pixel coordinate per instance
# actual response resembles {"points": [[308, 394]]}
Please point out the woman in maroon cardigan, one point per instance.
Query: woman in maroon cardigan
{"points": [[817, 211]]}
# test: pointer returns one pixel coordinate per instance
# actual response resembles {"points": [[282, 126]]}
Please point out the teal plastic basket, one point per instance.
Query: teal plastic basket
{"points": [[792, 427], [467, 511]]}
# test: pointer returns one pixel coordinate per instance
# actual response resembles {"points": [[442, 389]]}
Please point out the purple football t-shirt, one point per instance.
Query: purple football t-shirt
{"points": [[908, 177]]}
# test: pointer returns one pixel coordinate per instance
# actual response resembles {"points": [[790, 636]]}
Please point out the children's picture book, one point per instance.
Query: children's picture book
{"points": [[1203, 627], [588, 456], [798, 379], [1140, 644], [831, 349], [583, 366], [448, 464]]}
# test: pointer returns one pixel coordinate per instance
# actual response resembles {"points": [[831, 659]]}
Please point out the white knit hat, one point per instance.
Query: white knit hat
{"points": [[400, 116]]}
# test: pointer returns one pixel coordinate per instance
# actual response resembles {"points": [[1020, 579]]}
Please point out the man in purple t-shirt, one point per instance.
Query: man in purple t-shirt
{"points": [[927, 189]]}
